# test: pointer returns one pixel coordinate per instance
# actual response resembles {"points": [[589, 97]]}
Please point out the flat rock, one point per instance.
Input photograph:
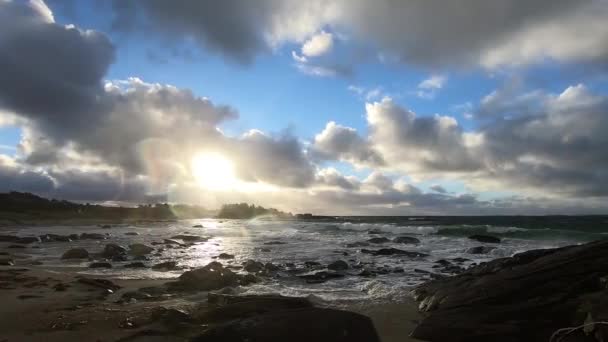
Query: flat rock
{"points": [[526, 297], [394, 251]]}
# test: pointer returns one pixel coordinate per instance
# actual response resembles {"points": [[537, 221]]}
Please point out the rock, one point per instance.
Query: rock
{"points": [[8, 238], [138, 264], [99, 283], [141, 258], [7, 262], [120, 258], [198, 226], [139, 249], [229, 307], [394, 251], [294, 325], [93, 236], [165, 266], [190, 238], [105, 226], [253, 266], [378, 240], [339, 265], [211, 277], [460, 260], [320, 277], [275, 243], [170, 317], [112, 250], [406, 240], [75, 253], [526, 297], [374, 231], [443, 262], [265, 250], [485, 238], [16, 247], [100, 265], [172, 242], [248, 279], [128, 296], [357, 244], [132, 233], [225, 256], [310, 264], [27, 239], [270, 267], [55, 238], [480, 249]]}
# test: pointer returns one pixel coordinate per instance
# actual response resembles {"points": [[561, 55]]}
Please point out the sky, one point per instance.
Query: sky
{"points": [[339, 107]]}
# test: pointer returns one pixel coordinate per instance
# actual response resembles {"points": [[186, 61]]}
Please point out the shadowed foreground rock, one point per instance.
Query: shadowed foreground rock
{"points": [[295, 325], [526, 297]]}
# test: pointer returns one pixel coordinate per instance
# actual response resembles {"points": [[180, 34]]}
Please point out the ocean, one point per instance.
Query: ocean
{"points": [[290, 244]]}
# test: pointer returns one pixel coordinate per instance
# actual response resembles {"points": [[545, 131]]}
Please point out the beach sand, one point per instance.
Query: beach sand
{"points": [[33, 310]]}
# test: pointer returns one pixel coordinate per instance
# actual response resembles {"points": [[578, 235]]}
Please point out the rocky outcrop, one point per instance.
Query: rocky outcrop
{"points": [[526, 297], [276, 318]]}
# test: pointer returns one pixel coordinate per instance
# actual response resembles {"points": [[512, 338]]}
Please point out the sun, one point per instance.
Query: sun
{"points": [[213, 171]]}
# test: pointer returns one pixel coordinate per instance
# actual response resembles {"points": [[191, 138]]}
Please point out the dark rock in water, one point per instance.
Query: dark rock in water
{"points": [[253, 266], [339, 265], [378, 240], [93, 236], [8, 238], [406, 239], [485, 238], [136, 265], [443, 262], [198, 226], [111, 250], [320, 277], [270, 267], [190, 238], [28, 239], [7, 262], [132, 233], [120, 257], [461, 259], [275, 243], [99, 283], [295, 325], [526, 297], [106, 226], [55, 238], [211, 277], [225, 256], [374, 231], [141, 258], [394, 251], [75, 253], [366, 273], [248, 279], [357, 244], [16, 247], [165, 266], [170, 317], [100, 265], [481, 249], [172, 242], [266, 250], [310, 264], [139, 249]]}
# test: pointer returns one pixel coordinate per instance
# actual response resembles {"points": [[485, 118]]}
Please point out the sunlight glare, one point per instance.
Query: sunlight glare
{"points": [[213, 171]]}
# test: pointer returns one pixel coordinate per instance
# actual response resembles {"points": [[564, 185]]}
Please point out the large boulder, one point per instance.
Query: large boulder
{"points": [[253, 266], [485, 238], [211, 277], [526, 297], [112, 250], [139, 249], [75, 253], [339, 265], [295, 325]]}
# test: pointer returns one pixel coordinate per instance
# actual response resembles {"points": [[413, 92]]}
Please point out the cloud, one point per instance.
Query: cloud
{"points": [[318, 45], [338, 142], [438, 188], [428, 88], [461, 33]]}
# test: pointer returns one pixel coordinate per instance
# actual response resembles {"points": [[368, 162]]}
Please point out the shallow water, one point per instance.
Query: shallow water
{"points": [[323, 242]]}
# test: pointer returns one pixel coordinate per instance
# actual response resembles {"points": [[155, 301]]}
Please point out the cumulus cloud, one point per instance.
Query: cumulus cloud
{"points": [[318, 45], [428, 88], [338, 142]]}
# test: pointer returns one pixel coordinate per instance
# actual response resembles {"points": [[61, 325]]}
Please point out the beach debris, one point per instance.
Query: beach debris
{"points": [[75, 253]]}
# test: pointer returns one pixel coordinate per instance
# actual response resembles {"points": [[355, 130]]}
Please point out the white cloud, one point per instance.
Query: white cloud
{"points": [[319, 44], [428, 88]]}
